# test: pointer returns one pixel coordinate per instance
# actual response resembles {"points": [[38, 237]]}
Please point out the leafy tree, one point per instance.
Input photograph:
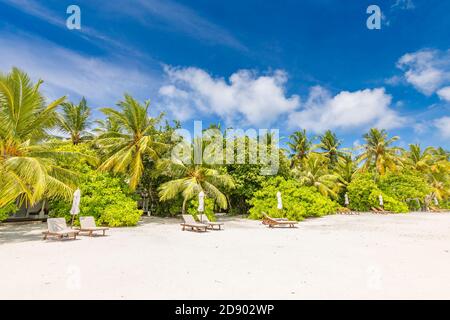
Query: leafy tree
{"points": [[136, 140], [300, 147], [329, 145], [298, 201], [314, 173], [378, 152], [28, 168], [74, 120]]}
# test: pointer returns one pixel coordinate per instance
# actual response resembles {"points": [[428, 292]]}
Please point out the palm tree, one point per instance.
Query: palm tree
{"points": [[314, 172], [74, 120], [378, 151], [136, 140], [28, 165], [300, 147], [189, 179], [346, 169], [418, 159], [329, 144]]}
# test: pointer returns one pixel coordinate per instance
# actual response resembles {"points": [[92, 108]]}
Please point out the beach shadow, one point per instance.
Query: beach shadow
{"points": [[21, 232]]}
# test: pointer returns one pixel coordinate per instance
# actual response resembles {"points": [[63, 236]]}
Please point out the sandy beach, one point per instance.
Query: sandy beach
{"points": [[336, 257]]}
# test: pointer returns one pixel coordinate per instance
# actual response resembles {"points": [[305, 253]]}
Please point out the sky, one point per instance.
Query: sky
{"points": [[287, 65]]}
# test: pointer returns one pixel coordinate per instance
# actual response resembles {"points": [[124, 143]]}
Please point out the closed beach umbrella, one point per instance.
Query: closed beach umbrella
{"points": [[346, 202], [436, 202], [75, 204], [280, 202], [380, 197], [201, 203]]}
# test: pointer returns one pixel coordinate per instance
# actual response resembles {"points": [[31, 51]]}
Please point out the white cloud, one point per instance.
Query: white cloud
{"points": [[346, 110], [444, 93], [443, 124], [427, 70], [246, 97], [101, 81]]}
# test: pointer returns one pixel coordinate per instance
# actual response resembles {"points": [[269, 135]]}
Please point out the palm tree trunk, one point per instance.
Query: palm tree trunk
{"points": [[183, 210]]}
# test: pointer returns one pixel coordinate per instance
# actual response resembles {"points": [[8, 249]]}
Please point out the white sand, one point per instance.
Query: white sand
{"points": [[337, 257]]}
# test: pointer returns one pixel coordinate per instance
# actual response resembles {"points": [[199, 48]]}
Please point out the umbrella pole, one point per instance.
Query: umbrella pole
{"points": [[71, 224]]}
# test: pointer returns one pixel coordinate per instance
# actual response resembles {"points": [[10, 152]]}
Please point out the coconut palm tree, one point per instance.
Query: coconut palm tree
{"points": [[74, 120], [190, 178], [346, 169], [300, 147], [418, 159], [329, 144], [137, 139], [28, 165], [314, 172], [378, 151]]}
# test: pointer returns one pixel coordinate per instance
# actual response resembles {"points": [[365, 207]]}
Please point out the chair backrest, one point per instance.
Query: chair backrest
{"points": [[87, 222], [56, 224], [188, 218], [204, 218], [266, 216]]}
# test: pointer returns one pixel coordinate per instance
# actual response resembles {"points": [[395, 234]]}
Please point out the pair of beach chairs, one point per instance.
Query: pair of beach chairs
{"points": [[58, 228], [190, 224]]}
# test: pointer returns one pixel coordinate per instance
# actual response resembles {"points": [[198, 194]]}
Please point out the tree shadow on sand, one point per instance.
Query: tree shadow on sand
{"points": [[20, 232]]}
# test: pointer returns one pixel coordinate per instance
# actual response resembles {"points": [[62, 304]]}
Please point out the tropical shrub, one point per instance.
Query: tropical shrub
{"points": [[389, 203], [359, 191], [298, 201], [7, 210], [363, 193], [105, 197], [209, 209], [404, 186]]}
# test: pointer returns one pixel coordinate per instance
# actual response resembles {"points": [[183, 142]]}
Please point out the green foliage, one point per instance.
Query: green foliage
{"points": [[120, 214], [209, 208], [359, 191], [7, 210], [105, 197], [298, 201], [364, 194], [405, 185], [390, 203]]}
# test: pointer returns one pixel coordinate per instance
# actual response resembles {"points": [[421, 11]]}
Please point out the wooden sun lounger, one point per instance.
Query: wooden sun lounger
{"points": [[211, 225], [271, 222], [57, 227], [87, 224], [379, 210], [190, 223]]}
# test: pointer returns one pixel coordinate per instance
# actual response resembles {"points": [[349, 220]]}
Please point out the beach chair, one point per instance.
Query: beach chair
{"points": [[278, 222], [204, 219], [190, 223], [57, 227], [87, 224], [379, 210]]}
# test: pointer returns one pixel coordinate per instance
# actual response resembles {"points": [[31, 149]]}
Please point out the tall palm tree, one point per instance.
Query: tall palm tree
{"points": [[74, 120], [329, 144], [314, 172], [346, 169], [418, 159], [28, 165], [137, 139], [378, 151], [300, 146], [190, 178]]}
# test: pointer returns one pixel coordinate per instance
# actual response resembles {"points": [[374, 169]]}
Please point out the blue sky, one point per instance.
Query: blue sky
{"points": [[252, 64]]}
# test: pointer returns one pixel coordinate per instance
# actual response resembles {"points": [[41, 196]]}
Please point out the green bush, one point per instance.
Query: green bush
{"points": [[405, 185], [7, 210], [298, 201], [209, 208], [359, 191], [105, 197], [390, 203], [364, 194], [121, 214]]}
